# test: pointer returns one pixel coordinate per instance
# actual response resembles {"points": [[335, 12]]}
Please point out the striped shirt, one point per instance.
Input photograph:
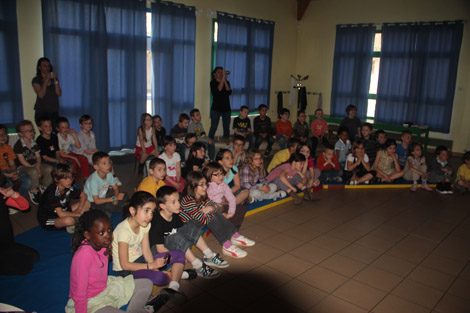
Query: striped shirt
{"points": [[190, 210]]}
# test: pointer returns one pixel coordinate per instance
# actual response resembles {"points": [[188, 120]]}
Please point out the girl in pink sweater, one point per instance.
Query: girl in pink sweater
{"points": [[91, 289]]}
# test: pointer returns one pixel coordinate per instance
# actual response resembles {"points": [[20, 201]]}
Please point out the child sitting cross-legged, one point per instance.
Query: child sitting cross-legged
{"points": [[218, 191], [196, 206], [173, 163], [153, 182], [357, 169], [415, 167], [29, 161], [168, 232], [232, 177], [67, 139], [440, 171], [55, 210], [91, 289], [311, 173], [195, 160], [386, 163], [132, 254], [101, 188], [288, 177], [329, 166], [253, 178]]}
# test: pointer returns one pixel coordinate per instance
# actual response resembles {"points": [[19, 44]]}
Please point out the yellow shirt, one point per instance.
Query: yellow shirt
{"points": [[464, 172], [150, 185], [279, 158]]}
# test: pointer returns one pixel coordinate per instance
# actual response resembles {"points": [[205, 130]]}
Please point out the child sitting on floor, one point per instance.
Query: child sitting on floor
{"points": [[91, 289], [195, 160], [232, 177], [402, 149], [416, 167], [283, 155], [288, 177], [168, 232], [357, 169], [319, 127], [218, 191], [283, 128], [440, 171], [101, 188], [462, 180], [311, 173], [386, 163], [146, 144], [55, 210], [196, 206], [67, 140], [28, 161], [173, 164], [253, 178], [329, 166], [153, 182], [131, 248], [342, 146], [262, 129]]}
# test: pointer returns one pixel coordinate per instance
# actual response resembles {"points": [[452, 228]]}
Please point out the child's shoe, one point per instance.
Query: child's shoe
{"points": [[34, 196], [207, 272], [295, 197], [440, 188], [242, 241], [234, 252], [216, 261], [70, 229], [414, 187], [426, 187], [353, 182], [338, 179], [448, 188], [42, 189]]}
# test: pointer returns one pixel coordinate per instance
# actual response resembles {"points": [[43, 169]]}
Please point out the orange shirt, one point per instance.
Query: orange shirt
{"points": [[6, 154], [284, 128]]}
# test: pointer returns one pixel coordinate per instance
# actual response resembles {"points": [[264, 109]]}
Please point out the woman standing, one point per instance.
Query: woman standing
{"points": [[46, 86], [221, 91]]}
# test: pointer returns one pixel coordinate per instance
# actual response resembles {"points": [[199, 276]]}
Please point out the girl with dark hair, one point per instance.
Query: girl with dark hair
{"points": [[386, 163], [195, 205], [47, 88], [195, 160], [91, 289], [232, 178]]}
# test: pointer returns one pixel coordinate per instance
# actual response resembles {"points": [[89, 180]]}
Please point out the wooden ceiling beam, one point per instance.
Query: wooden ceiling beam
{"points": [[302, 6]]}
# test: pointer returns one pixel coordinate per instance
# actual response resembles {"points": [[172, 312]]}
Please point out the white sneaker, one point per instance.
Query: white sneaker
{"points": [[242, 241], [234, 252], [118, 181], [281, 194]]}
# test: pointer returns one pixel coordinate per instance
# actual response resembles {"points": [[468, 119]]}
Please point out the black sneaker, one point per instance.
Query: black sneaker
{"points": [[34, 196], [448, 188], [208, 272], [174, 296], [192, 274], [440, 188], [157, 302]]}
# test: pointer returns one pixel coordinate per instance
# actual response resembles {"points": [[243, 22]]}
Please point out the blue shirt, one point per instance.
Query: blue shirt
{"points": [[96, 186], [401, 153]]}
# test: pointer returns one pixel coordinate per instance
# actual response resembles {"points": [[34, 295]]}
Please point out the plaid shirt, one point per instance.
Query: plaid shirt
{"points": [[249, 183]]}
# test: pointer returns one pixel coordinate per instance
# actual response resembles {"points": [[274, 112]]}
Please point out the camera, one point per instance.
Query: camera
{"points": [[227, 72]]}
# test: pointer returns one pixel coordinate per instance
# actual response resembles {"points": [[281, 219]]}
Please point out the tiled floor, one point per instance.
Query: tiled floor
{"points": [[351, 251], [373, 250]]}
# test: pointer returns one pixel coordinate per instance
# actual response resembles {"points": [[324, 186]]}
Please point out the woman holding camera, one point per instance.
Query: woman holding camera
{"points": [[221, 91], [47, 88]]}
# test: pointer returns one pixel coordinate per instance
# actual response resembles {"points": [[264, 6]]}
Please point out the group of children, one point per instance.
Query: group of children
{"points": [[187, 192]]}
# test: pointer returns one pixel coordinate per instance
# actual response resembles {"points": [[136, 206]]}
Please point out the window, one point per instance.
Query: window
{"points": [[244, 47], [374, 75]]}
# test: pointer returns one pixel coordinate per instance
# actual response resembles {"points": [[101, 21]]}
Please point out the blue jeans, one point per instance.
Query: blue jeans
{"points": [[24, 182], [269, 139], [282, 142], [215, 116]]}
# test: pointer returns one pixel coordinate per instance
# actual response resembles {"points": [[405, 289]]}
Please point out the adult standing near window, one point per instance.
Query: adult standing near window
{"points": [[47, 88], [220, 88]]}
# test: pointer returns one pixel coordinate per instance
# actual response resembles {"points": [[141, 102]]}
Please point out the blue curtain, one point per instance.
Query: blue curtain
{"points": [[244, 47], [98, 49], [11, 104], [173, 58], [351, 68], [418, 70]]}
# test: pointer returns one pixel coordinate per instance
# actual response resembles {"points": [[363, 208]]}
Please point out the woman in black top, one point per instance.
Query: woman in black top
{"points": [[221, 91], [47, 88]]}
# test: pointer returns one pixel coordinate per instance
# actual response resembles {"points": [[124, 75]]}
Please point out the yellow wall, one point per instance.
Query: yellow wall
{"points": [[316, 41], [304, 48]]}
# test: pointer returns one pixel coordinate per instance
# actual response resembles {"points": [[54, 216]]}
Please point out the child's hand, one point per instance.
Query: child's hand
{"points": [[72, 131], [62, 161], [207, 209], [227, 215], [13, 175], [291, 190], [301, 186], [316, 182], [156, 264], [120, 196], [424, 175], [8, 193]]}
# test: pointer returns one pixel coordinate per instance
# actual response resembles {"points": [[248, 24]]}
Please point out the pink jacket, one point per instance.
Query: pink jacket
{"points": [[217, 192], [88, 275]]}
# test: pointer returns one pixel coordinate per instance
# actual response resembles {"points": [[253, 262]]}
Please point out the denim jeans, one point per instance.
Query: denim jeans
{"points": [[215, 116], [222, 229], [23, 180], [269, 139], [282, 142]]}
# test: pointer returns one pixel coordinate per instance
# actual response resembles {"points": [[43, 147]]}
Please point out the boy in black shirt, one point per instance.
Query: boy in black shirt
{"points": [[48, 143], [54, 210], [168, 232], [242, 126], [263, 129]]}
